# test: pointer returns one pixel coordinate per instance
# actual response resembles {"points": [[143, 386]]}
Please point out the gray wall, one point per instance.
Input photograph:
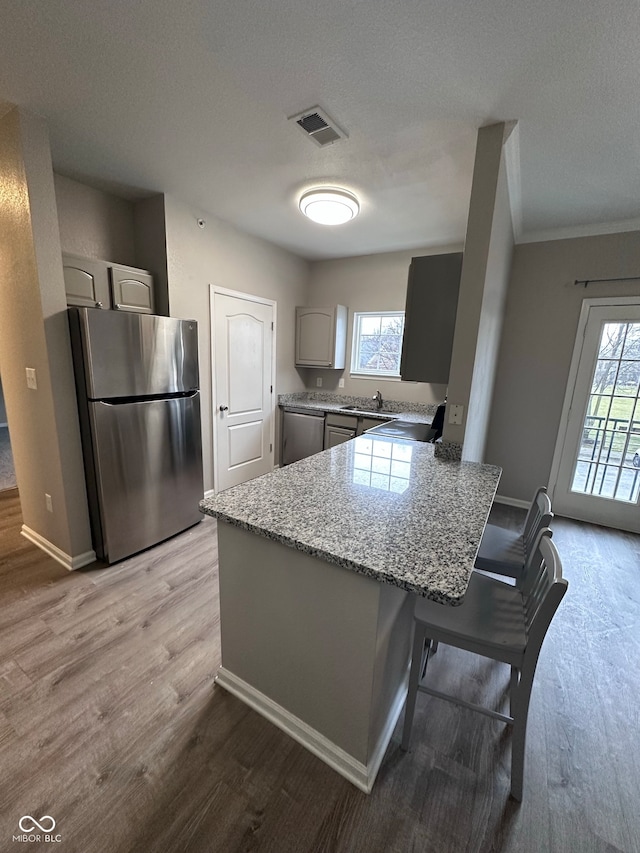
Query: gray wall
{"points": [[368, 283], [490, 325], [151, 246], [220, 254], [34, 333], [95, 224], [3, 408], [541, 319], [483, 285]]}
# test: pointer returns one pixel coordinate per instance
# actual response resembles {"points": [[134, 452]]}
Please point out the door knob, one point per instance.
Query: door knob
{"points": [[224, 408]]}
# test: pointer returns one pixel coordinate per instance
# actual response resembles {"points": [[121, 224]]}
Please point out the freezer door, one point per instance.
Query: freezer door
{"points": [[148, 469], [122, 354]]}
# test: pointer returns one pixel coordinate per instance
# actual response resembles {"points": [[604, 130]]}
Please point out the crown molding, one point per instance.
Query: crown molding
{"points": [[572, 231]]}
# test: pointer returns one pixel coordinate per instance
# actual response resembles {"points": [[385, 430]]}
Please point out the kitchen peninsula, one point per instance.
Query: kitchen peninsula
{"points": [[319, 565]]}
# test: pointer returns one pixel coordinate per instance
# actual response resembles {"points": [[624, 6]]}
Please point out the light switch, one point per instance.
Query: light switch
{"points": [[31, 378], [319, 382], [455, 414], [340, 383]]}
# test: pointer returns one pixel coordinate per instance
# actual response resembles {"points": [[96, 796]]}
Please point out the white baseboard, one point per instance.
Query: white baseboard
{"points": [[52, 550], [3, 425], [387, 732], [361, 775], [501, 499]]}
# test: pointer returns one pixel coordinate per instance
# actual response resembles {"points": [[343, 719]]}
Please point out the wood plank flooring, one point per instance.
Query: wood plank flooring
{"points": [[111, 723]]}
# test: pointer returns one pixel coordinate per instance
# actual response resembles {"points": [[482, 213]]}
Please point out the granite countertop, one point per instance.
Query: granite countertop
{"points": [[415, 412], [385, 508]]}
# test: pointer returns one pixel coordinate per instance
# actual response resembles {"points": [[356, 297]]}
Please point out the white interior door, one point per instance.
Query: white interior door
{"points": [[243, 329], [597, 464]]}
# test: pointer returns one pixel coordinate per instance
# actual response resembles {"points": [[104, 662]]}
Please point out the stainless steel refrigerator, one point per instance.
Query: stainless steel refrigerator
{"points": [[139, 406]]}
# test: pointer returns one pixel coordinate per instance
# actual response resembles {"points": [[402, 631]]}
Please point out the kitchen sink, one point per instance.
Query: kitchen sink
{"points": [[366, 411]]}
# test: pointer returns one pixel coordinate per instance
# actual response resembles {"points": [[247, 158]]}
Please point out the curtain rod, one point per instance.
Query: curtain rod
{"points": [[587, 281]]}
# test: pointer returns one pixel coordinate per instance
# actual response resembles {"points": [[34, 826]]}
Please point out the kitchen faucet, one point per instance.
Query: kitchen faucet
{"points": [[378, 398]]}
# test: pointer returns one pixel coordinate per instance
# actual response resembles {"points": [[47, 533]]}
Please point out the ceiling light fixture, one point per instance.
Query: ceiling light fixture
{"points": [[329, 205]]}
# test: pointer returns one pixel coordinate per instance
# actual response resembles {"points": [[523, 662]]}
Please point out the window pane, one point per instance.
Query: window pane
{"points": [[608, 460], [377, 343], [597, 410], [620, 413], [392, 325], [369, 325], [632, 342], [611, 343], [389, 362], [604, 377], [628, 378], [390, 343]]}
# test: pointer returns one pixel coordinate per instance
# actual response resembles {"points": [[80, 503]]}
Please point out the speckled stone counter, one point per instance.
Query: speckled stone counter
{"points": [[384, 508], [318, 563], [324, 402]]}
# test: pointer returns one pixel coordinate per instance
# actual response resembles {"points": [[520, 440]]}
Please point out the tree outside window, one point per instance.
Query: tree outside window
{"points": [[377, 343]]}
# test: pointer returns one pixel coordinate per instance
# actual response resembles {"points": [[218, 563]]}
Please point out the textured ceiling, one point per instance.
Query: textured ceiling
{"points": [[192, 99]]}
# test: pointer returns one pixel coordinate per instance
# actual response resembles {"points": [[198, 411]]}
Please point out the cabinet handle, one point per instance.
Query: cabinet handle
{"points": [[99, 305], [224, 408]]}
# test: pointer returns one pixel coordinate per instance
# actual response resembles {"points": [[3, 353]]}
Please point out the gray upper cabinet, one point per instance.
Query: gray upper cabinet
{"points": [[86, 282], [92, 283], [430, 318], [321, 337], [131, 290]]}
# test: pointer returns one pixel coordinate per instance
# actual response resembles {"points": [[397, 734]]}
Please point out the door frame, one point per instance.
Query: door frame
{"points": [[249, 297], [587, 305]]}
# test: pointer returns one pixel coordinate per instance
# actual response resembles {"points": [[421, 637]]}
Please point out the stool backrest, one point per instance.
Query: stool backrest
{"points": [[543, 588], [538, 517]]}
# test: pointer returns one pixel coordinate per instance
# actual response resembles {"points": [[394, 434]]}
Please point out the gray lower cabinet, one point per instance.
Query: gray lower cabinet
{"points": [[302, 435], [368, 423], [307, 432], [430, 318], [92, 283], [334, 435], [339, 428]]}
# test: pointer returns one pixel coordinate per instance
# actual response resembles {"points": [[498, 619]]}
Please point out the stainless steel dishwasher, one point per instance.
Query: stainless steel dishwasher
{"points": [[302, 434]]}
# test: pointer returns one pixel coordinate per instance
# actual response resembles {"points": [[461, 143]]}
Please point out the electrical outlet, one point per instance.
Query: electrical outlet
{"points": [[340, 383], [48, 502], [31, 378], [319, 382], [455, 414]]}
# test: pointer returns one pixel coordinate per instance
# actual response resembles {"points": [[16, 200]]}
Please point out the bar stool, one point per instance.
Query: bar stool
{"points": [[498, 621]]}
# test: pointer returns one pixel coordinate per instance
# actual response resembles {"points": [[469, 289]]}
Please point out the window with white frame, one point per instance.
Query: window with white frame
{"points": [[377, 343]]}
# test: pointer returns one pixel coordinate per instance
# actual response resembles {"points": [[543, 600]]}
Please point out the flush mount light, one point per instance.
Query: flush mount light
{"points": [[329, 205]]}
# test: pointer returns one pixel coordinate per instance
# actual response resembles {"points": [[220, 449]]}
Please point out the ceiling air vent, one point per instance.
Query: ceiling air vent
{"points": [[316, 125]]}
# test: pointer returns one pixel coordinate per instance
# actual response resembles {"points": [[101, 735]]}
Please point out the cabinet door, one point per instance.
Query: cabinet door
{"points": [[132, 290], [333, 436], [314, 336], [86, 282], [368, 423], [430, 318]]}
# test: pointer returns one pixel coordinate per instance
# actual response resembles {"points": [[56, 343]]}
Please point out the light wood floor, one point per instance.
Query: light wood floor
{"points": [[110, 721]]}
